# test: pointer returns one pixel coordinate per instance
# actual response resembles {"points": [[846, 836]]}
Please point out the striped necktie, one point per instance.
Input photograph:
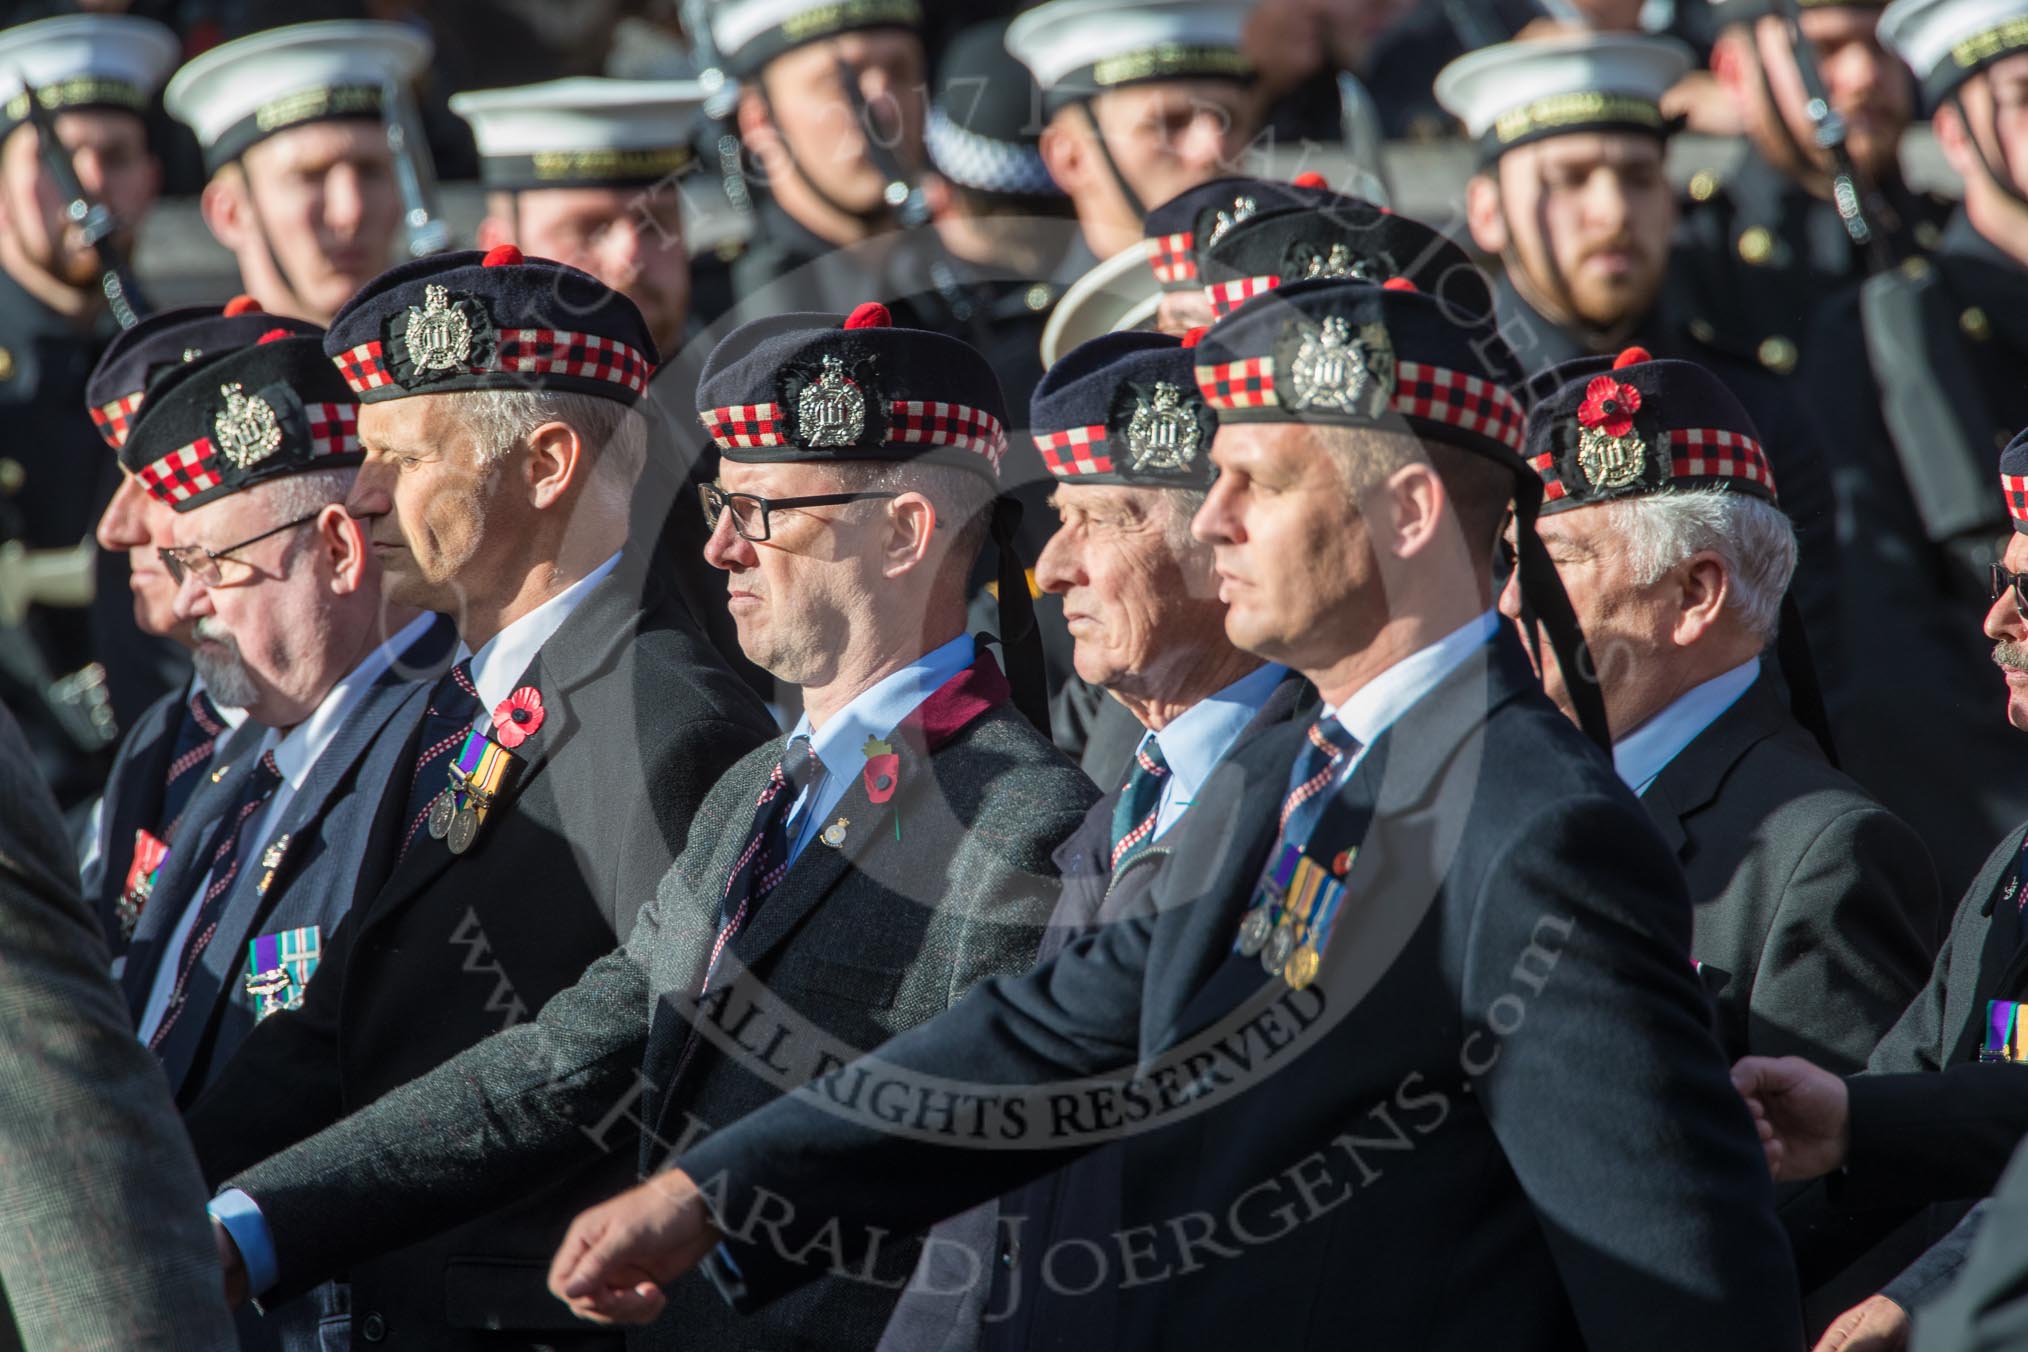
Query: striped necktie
{"points": [[225, 861], [1329, 744], [761, 864], [454, 707], [196, 738], [1140, 803]]}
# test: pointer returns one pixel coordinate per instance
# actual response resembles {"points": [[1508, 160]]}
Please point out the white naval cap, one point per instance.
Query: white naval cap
{"points": [[584, 132], [244, 91], [751, 33], [1947, 42], [1119, 294], [83, 61], [1516, 92], [1079, 48]]}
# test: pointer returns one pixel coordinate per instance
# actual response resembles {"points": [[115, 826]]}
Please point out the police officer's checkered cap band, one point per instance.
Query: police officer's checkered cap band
{"points": [[985, 164]]}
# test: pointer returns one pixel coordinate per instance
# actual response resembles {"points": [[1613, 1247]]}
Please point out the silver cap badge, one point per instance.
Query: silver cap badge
{"points": [[1335, 369], [246, 430], [831, 411]]}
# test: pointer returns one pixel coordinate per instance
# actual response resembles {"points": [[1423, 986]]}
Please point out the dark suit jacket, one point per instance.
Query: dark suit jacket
{"points": [[1500, 1110], [105, 1245], [640, 718], [948, 882], [1892, 1169], [1984, 1310], [324, 862], [132, 802], [947, 1297], [1816, 911]]}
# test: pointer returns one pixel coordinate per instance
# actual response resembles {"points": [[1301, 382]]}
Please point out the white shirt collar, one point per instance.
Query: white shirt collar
{"points": [[1645, 752], [1394, 691], [502, 660], [297, 750]]}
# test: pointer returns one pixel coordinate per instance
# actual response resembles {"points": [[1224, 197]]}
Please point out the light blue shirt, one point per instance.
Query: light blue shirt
{"points": [[874, 712], [1385, 698], [1197, 739], [1644, 753]]}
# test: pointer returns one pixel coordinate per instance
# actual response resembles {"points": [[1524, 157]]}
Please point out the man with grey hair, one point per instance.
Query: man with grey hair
{"points": [[288, 624], [1816, 909], [545, 782]]}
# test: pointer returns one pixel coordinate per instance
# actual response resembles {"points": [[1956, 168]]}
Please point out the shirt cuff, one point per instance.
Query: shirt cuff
{"points": [[242, 1219]]}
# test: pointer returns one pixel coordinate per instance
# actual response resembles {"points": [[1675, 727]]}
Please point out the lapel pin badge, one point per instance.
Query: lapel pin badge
{"points": [[834, 834]]}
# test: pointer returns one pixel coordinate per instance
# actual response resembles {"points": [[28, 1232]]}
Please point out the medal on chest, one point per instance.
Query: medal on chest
{"points": [[480, 775], [1293, 910]]}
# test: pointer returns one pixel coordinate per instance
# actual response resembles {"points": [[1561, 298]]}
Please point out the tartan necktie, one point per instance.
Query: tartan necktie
{"points": [[1140, 803], [1313, 772], [225, 861], [454, 707], [761, 864], [196, 738], [765, 859]]}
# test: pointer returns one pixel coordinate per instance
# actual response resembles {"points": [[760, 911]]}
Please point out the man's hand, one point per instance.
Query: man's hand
{"points": [[235, 1268], [617, 1256], [1801, 1111], [1875, 1324]]}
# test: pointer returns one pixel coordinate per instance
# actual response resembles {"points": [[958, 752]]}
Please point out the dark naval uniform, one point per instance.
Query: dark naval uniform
{"points": [[57, 669], [1916, 377], [1757, 254]]}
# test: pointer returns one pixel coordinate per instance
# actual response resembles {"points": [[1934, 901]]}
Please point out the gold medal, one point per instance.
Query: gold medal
{"points": [[1301, 969], [442, 809], [1254, 931], [464, 829], [1280, 945]]}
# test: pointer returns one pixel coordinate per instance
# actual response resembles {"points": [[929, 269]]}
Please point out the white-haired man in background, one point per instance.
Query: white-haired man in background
{"points": [[1816, 908]]}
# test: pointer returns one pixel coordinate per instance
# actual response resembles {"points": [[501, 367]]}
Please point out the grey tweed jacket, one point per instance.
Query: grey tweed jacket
{"points": [[882, 923], [104, 1244]]}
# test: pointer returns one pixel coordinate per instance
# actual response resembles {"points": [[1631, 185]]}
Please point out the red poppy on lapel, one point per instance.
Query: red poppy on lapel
{"points": [[518, 717], [883, 770]]}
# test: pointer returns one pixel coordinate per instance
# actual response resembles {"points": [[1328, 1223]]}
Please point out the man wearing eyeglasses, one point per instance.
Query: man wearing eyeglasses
{"points": [[287, 623], [253, 451], [542, 784], [1899, 1134], [841, 883]]}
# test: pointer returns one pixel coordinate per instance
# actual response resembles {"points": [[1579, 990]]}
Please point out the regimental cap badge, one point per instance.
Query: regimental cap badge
{"points": [[1341, 262], [831, 410], [1610, 453], [438, 336], [247, 430], [1164, 435], [1336, 370], [1243, 209]]}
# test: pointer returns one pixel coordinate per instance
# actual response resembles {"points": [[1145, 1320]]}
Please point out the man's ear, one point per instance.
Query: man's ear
{"points": [[912, 524], [556, 460], [1065, 155], [757, 131], [1482, 212], [1415, 498], [223, 205], [1703, 587], [343, 539], [1953, 138]]}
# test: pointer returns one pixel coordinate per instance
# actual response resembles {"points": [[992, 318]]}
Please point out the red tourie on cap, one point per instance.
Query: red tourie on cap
{"points": [[1633, 356], [502, 256], [871, 315], [240, 305]]}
